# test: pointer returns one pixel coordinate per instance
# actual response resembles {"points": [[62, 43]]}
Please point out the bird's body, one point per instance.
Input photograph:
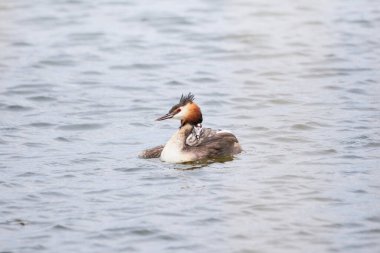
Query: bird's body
{"points": [[191, 142], [175, 150]]}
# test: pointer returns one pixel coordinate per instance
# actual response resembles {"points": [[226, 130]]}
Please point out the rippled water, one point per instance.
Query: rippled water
{"points": [[296, 81]]}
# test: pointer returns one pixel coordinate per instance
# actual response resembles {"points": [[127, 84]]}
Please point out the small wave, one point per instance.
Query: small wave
{"points": [[321, 152], [175, 83], [142, 66], [61, 228], [280, 101], [29, 174], [357, 91], [89, 36], [76, 127], [302, 127], [41, 124], [32, 88], [63, 139], [372, 145], [204, 80], [21, 44], [42, 98], [18, 108], [34, 144], [292, 139], [57, 62]]}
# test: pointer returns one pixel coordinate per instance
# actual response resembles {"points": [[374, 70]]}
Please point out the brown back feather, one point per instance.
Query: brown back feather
{"points": [[152, 152]]}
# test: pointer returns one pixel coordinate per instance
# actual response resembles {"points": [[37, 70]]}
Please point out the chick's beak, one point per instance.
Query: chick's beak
{"points": [[166, 116]]}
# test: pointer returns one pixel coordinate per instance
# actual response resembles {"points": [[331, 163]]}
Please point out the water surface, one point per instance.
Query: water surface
{"points": [[82, 81]]}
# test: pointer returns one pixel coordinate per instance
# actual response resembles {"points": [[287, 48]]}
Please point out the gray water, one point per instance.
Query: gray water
{"points": [[81, 83]]}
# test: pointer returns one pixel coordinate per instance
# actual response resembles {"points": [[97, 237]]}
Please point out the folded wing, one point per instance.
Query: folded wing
{"points": [[152, 152]]}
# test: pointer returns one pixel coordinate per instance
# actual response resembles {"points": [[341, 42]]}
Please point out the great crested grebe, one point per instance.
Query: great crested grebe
{"points": [[192, 142]]}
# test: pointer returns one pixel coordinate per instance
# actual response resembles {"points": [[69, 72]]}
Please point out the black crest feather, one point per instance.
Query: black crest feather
{"points": [[183, 101], [186, 99]]}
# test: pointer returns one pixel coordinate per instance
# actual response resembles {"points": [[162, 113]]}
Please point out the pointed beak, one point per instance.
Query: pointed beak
{"points": [[166, 116]]}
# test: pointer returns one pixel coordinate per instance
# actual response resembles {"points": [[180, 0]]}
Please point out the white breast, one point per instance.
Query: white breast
{"points": [[171, 154], [173, 151]]}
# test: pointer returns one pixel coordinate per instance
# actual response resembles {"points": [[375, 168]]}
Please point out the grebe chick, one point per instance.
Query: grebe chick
{"points": [[191, 142]]}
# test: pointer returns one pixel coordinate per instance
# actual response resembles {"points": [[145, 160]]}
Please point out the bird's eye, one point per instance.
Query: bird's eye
{"points": [[178, 110]]}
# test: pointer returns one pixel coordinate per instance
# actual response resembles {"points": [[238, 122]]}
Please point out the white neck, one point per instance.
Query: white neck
{"points": [[173, 151]]}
